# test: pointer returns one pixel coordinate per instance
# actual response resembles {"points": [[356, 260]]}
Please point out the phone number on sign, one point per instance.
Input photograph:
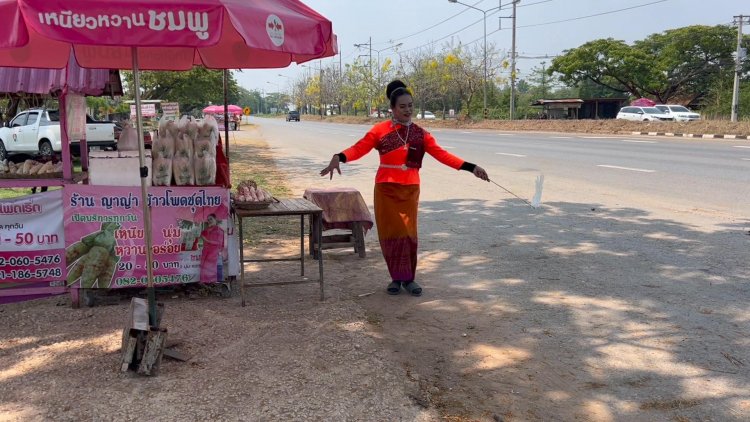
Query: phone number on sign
{"points": [[31, 274], [25, 261]]}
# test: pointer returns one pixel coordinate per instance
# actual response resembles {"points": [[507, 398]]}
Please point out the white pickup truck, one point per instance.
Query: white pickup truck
{"points": [[37, 131]]}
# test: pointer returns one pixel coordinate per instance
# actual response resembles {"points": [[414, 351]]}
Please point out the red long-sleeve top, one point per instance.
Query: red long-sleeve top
{"points": [[391, 140]]}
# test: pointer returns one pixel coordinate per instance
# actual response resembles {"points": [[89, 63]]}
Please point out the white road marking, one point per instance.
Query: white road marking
{"points": [[447, 147], [596, 137], [510, 155], [741, 146], [560, 137], [745, 159], [504, 134], [468, 132], [638, 142], [626, 168]]}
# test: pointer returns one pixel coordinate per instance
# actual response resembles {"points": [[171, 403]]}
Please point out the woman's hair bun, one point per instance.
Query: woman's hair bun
{"points": [[394, 85]]}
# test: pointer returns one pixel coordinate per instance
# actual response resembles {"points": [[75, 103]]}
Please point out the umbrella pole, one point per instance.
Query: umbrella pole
{"points": [[226, 113], [144, 192]]}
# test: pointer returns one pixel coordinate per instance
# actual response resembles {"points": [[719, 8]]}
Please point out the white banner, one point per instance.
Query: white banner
{"points": [[147, 110], [170, 109]]}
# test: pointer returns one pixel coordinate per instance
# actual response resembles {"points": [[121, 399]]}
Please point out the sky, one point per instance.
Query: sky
{"points": [[544, 27]]}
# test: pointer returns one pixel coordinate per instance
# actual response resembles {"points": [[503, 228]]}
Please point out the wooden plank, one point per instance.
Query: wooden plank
{"points": [[129, 340], [174, 354], [153, 352]]}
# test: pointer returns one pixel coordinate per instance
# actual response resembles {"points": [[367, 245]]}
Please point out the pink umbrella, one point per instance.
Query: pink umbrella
{"points": [[160, 35], [643, 102], [213, 109], [168, 34], [233, 109]]}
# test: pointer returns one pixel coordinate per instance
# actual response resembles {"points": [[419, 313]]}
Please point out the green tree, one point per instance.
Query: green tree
{"points": [[192, 89], [680, 63]]}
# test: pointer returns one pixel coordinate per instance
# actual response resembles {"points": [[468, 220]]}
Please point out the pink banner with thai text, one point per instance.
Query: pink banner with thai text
{"points": [[32, 260], [105, 235]]}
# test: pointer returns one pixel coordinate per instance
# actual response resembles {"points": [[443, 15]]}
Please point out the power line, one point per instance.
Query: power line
{"points": [[465, 27], [594, 15], [535, 25]]}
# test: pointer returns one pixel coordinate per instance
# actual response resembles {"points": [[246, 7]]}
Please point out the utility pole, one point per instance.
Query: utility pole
{"points": [[485, 111], [369, 90], [513, 66], [321, 88], [738, 20]]}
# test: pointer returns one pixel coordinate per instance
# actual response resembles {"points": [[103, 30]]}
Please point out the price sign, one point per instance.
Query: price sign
{"points": [[31, 238]]}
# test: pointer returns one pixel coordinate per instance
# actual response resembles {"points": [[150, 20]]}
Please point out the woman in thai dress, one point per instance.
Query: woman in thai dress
{"points": [[213, 245], [401, 145]]}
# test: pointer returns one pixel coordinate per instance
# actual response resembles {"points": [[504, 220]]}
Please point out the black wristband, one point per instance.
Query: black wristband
{"points": [[468, 166], [342, 157]]}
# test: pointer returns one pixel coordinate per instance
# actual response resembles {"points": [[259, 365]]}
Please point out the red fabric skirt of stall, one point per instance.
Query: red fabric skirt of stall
{"points": [[222, 167], [396, 219]]}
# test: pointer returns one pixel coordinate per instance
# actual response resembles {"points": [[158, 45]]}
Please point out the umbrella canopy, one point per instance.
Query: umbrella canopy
{"points": [[219, 109], [643, 102], [160, 35], [213, 109], [169, 34]]}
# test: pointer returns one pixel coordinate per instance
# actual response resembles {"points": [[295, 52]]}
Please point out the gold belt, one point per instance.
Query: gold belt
{"points": [[394, 166]]}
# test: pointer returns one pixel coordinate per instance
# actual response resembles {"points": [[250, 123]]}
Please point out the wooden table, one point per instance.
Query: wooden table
{"points": [[284, 207]]}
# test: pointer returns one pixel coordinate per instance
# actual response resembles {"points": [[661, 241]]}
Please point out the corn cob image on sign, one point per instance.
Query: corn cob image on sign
{"points": [[105, 243]]}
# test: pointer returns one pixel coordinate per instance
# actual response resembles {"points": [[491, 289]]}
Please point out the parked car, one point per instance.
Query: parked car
{"points": [[37, 131], [678, 112], [292, 115], [428, 115], [383, 114], [643, 114]]}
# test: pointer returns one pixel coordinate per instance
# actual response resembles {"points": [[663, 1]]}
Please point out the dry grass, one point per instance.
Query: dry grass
{"points": [[250, 159], [607, 126]]}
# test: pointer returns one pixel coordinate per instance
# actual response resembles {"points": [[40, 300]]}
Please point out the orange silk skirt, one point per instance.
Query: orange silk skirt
{"points": [[396, 219]]}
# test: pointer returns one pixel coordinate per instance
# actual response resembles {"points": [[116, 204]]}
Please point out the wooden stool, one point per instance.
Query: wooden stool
{"points": [[354, 237], [346, 219]]}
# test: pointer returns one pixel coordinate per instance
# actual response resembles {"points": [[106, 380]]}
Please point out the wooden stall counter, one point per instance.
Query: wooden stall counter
{"points": [[284, 207]]}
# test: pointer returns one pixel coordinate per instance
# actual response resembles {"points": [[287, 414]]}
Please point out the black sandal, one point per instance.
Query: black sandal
{"points": [[413, 288], [394, 288]]}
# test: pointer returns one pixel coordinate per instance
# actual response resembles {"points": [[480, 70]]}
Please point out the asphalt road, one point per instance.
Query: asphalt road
{"points": [[700, 177]]}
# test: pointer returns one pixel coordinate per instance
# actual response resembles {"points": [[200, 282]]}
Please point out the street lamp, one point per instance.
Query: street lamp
{"points": [[484, 20], [292, 99], [380, 71], [278, 88]]}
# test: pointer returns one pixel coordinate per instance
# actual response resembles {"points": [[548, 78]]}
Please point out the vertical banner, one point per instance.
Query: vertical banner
{"points": [[105, 237], [75, 115], [31, 245], [170, 109]]}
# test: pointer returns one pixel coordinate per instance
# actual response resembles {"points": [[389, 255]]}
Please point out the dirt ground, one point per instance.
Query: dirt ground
{"points": [[595, 313]]}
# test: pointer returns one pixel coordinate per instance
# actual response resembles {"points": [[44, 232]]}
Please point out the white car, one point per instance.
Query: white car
{"points": [[643, 114], [678, 112], [428, 115]]}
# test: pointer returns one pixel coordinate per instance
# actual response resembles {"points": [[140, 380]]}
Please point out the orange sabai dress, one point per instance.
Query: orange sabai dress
{"points": [[396, 196]]}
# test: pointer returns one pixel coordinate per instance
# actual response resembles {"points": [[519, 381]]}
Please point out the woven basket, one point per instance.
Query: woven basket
{"points": [[255, 205]]}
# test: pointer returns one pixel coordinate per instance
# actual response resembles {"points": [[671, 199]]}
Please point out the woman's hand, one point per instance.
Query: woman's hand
{"points": [[333, 165], [480, 173]]}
